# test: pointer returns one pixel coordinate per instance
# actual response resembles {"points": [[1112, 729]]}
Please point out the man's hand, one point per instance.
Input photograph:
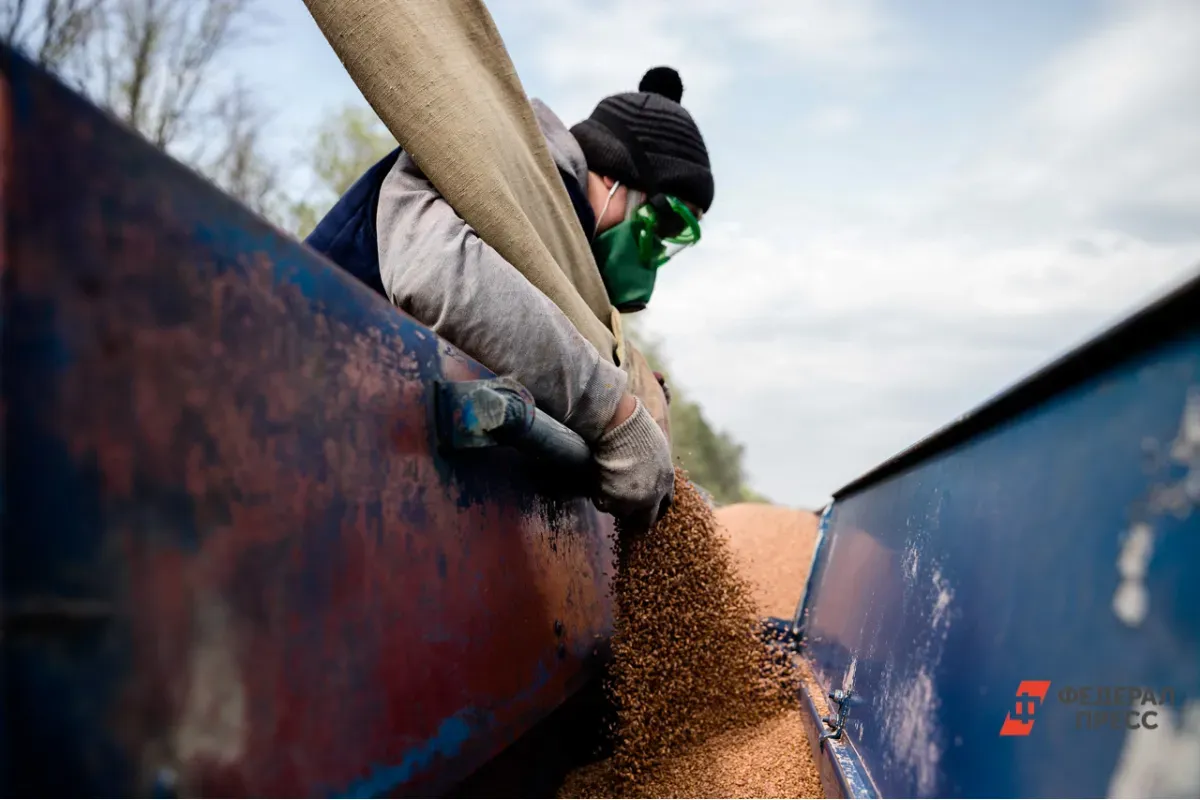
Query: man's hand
{"points": [[637, 478]]}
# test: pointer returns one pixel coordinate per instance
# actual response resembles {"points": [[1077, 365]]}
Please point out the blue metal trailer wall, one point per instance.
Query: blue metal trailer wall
{"points": [[1052, 536], [239, 556]]}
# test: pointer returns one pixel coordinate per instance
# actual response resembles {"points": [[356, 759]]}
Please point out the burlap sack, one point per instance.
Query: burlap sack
{"points": [[439, 77]]}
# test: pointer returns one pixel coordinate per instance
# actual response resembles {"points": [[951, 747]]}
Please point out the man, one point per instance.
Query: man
{"points": [[638, 175]]}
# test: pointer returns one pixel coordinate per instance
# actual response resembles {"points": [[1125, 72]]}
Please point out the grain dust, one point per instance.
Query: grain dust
{"points": [[701, 709]]}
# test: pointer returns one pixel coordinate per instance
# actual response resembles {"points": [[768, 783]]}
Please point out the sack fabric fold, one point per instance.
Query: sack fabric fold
{"points": [[440, 78]]}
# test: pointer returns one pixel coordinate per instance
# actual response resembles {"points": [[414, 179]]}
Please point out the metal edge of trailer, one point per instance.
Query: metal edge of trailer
{"points": [[1173, 312], [842, 770], [1172, 315], [822, 531]]}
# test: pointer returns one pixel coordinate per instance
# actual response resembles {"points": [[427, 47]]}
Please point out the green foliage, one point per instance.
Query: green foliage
{"points": [[713, 458], [344, 147]]}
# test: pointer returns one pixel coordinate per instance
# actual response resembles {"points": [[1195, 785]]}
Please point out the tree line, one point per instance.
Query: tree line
{"points": [[156, 66]]}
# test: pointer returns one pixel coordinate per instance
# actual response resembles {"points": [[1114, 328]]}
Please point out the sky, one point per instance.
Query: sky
{"points": [[917, 203]]}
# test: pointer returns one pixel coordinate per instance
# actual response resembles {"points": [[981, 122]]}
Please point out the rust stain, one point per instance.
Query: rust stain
{"points": [[308, 586]]}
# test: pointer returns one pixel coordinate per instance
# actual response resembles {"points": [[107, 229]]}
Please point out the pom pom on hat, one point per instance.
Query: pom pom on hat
{"points": [[663, 81], [673, 156]]}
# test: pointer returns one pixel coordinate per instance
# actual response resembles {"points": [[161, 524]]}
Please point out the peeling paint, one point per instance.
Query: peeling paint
{"points": [[848, 678], [1131, 602], [1185, 450], [1186, 447], [212, 725], [1161, 762], [1135, 555], [1181, 496], [910, 703], [232, 441], [941, 604], [911, 724], [911, 563]]}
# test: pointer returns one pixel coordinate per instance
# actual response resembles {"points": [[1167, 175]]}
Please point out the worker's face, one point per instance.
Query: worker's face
{"points": [[635, 236], [609, 206], [612, 207]]}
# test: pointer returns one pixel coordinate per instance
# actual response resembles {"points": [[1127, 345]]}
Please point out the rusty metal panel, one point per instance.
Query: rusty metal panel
{"points": [[235, 560]]}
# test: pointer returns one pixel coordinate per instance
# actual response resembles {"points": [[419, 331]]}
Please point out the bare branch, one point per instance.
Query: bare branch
{"points": [[142, 32], [199, 41], [51, 31], [160, 60], [240, 167], [12, 14], [155, 65]]}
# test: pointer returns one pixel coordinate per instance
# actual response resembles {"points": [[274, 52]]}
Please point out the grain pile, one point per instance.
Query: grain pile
{"points": [[700, 708], [773, 548], [770, 759]]}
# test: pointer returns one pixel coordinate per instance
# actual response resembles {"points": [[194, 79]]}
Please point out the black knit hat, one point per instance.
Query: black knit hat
{"points": [[647, 141]]}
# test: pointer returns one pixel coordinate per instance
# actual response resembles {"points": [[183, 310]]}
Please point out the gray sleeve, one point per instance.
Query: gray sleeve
{"points": [[438, 270]]}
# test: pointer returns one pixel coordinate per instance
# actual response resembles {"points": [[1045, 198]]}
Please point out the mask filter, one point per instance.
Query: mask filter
{"points": [[630, 253]]}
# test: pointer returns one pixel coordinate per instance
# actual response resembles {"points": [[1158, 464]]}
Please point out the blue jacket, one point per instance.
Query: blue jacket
{"points": [[347, 235], [431, 265]]}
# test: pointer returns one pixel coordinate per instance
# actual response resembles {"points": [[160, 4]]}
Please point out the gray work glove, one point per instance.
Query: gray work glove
{"points": [[637, 478]]}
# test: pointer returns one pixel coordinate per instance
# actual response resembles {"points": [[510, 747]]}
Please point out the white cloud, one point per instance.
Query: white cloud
{"points": [[846, 34], [829, 346], [591, 48], [829, 356], [1108, 139], [831, 120]]}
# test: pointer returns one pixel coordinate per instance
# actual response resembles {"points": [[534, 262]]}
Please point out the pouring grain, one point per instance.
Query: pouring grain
{"points": [[691, 680]]}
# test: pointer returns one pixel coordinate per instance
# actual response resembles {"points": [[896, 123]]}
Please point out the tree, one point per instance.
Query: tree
{"points": [[344, 147], [239, 166], [153, 64], [52, 31], [713, 458]]}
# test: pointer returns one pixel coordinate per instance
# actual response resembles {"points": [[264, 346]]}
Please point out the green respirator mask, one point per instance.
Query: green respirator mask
{"points": [[630, 253]]}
